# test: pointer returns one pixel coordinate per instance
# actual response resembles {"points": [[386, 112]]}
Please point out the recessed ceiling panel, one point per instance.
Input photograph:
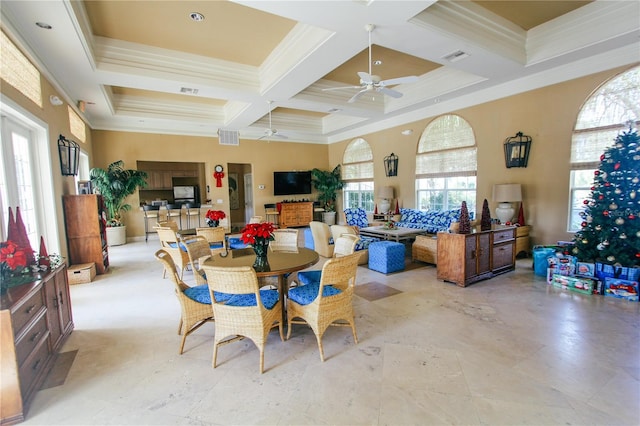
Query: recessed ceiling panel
{"points": [[229, 31], [393, 64], [127, 91], [529, 14]]}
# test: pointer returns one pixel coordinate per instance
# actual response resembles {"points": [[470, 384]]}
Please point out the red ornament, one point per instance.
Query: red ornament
{"points": [[521, 216], [616, 166], [583, 224], [632, 216], [585, 202], [602, 157], [597, 173], [606, 213], [638, 255], [600, 197], [607, 184], [218, 177], [44, 256]]}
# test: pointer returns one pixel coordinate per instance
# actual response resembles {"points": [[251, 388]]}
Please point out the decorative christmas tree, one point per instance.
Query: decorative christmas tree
{"points": [[611, 228], [485, 221], [465, 222]]}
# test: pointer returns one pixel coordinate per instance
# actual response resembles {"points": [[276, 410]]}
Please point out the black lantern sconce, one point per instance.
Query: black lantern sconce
{"points": [[69, 156], [516, 150], [391, 165]]}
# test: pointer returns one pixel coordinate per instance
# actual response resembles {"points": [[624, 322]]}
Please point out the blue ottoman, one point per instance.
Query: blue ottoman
{"points": [[308, 239], [236, 243], [386, 256]]}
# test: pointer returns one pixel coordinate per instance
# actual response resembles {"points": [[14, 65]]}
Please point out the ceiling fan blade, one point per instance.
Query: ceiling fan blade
{"points": [[365, 77], [356, 96], [390, 92], [280, 135], [341, 88], [399, 80]]}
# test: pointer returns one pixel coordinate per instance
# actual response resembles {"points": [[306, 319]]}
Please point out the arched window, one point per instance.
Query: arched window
{"points": [[613, 107], [357, 172], [446, 165]]}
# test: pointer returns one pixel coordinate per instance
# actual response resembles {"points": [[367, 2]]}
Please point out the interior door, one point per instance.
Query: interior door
{"points": [[248, 197]]}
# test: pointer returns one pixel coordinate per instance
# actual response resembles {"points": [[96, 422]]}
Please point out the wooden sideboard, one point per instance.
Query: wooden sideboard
{"points": [[85, 218], [466, 258], [296, 214], [35, 320]]}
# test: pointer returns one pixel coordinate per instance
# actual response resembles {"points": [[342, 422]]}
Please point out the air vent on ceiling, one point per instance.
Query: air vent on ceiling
{"points": [[188, 91], [456, 56], [229, 137]]}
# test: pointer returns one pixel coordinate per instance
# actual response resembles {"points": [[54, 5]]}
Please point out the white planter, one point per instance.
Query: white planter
{"points": [[329, 218], [116, 235]]}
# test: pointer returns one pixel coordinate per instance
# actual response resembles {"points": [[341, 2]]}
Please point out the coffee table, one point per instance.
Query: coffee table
{"points": [[397, 235]]}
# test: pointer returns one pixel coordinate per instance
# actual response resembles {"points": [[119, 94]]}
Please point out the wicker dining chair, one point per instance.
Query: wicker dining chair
{"points": [[284, 240], [327, 303], [250, 312], [170, 242], [344, 245], [195, 302], [198, 251], [215, 236], [172, 224]]}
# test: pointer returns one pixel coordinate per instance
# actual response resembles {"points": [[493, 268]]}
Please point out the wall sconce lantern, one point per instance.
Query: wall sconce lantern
{"points": [[516, 150], [69, 156], [391, 165]]}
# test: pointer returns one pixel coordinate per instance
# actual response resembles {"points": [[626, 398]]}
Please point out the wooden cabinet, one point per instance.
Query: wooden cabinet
{"points": [[466, 258], [296, 214], [159, 180], [85, 218], [35, 320], [523, 241]]}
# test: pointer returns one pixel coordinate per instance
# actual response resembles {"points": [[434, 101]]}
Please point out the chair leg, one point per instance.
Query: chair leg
{"points": [[261, 360], [215, 354]]}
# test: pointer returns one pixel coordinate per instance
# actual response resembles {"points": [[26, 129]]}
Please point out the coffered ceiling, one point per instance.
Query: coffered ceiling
{"points": [[147, 66]]}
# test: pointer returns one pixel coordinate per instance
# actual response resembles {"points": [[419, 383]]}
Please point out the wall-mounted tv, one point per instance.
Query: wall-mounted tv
{"points": [[291, 183]]}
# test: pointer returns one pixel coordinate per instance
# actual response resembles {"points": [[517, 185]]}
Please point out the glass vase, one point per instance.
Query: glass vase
{"points": [[261, 248], [214, 223]]}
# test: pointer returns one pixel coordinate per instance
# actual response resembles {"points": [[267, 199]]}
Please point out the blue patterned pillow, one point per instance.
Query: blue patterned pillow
{"points": [[309, 277], [356, 217], [305, 294], [269, 299], [201, 294]]}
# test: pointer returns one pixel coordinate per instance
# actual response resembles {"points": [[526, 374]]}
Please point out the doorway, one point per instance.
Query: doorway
{"points": [[241, 206]]}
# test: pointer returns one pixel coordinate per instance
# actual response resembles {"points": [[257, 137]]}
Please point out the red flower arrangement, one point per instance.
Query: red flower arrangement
{"points": [[257, 233], [213, 217], [12, 258]]}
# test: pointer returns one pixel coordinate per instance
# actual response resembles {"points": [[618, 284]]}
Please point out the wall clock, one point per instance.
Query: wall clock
{"points": [[218, 168]]}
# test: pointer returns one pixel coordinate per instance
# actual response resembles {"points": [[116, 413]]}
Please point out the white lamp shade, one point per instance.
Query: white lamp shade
{"points": [[507, 192], [385, 193]]}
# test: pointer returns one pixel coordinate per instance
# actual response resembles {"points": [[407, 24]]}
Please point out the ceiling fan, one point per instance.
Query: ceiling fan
{"points": [[372, 83], [271, 132]]}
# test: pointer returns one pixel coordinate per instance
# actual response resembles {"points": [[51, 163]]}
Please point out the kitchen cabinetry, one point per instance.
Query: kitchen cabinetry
{"points": [[35, 320], [296, 214], [85, 218], [466, 258], [160, 180]]}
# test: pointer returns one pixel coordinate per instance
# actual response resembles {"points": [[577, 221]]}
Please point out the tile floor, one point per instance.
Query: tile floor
{"points": [[510, 350]]}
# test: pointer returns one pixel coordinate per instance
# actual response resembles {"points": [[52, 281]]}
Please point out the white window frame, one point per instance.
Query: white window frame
{"points": [[41, 173], [362, 183]]}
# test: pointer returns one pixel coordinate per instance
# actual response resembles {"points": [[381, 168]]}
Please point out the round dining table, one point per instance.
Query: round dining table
{"points": [[281, 263]]}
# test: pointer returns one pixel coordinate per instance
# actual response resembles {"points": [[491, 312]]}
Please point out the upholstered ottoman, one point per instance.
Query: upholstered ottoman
{"points": [[386, 256]]}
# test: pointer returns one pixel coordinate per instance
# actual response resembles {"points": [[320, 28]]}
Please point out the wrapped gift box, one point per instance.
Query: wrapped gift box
{"points": [[621, 289], [577, 284]]}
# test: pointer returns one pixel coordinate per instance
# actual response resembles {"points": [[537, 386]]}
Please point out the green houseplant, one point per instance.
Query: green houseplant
{"points": [[115, 184], [327, 183]]}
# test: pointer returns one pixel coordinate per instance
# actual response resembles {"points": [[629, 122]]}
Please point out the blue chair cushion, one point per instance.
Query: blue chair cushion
{"points": [[269, 299], [305, 294], [356, 217], [309, 277], [236, 243], [216, 245], [200, 294]]}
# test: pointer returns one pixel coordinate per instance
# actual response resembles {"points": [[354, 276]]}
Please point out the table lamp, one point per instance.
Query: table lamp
{"points": [[506, 194], [385, 194]]}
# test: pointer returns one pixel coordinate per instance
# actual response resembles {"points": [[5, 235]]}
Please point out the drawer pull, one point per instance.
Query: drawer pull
{"points": [[30, 308], [35, 336]]}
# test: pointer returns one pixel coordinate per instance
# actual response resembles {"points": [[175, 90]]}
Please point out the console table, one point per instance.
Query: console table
{"points": [[296, 214], [466, 258]]}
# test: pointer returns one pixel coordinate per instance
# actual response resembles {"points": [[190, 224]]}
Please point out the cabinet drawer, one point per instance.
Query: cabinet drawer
{"points": [[31, 338], [32, 368], [502, 256], [29, 309], [500, 236]]}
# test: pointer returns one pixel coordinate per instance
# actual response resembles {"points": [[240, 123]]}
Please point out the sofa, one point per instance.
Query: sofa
{"points": [[431, 222]]}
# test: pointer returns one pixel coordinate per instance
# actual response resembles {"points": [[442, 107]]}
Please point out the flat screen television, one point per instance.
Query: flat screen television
{"points": [[291, 183]]}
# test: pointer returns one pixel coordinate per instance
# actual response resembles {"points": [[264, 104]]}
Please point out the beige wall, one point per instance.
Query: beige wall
{"points": [[57, 121], [548, 115], [264, 158]]}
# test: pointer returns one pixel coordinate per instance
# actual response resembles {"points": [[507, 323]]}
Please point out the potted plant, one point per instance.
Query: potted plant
{"points": [[115, 184], [327, 183]]}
